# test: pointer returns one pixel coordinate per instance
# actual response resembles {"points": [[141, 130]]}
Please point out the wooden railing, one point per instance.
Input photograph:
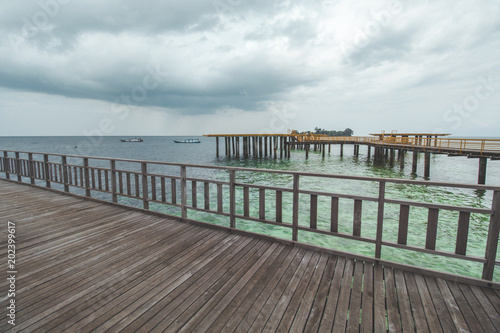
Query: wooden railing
{"points": [[168, 184], [479, 146]]}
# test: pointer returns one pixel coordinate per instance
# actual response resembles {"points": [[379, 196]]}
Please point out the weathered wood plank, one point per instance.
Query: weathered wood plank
{"points": [[247, 296], [353, 323], [439, 305], [492, 297], [312, 324], [286, 295], [211, 309], [488, 304], [478, 309], [404, 302], [465, 308], [191, 288], [265, 299], [303, 298], [428, 305], [393, 318], [416, 303], [379, 310], [452, 306], [340, 321]]}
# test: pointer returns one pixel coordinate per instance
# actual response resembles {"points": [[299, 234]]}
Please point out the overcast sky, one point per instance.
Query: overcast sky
{"points": [[189, 67]]}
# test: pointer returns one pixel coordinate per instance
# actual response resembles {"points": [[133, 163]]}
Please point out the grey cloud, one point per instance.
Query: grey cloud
{"points": [[220, 57]]}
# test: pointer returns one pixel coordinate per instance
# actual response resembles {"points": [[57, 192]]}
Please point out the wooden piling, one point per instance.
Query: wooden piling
{"points": [[369, 151], [341, 150], [482, 170], [238, 147], [281, 147], [270, 146], [401, 159], [217, 146], [285, 153], [414, 162], [260, 147], [289, 147], [245, 153], [427, 171], [265, 146]]}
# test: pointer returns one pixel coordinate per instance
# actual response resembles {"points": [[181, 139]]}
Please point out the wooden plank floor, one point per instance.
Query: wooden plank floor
{"points": [[89, 267]]}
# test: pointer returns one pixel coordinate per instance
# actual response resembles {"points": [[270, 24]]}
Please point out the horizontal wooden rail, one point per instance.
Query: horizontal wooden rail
{"points": [[479, 146], [227, 195]]}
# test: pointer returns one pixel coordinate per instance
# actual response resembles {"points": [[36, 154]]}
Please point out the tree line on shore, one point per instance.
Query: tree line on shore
{"points": [[318, 130]]}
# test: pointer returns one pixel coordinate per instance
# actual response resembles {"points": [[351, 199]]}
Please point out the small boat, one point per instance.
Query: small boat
{"points": [[132, 140], [188, 141]]}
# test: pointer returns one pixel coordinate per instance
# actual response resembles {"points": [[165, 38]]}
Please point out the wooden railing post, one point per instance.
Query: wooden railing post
{"points": [[86, 175], [183, 192], [6, 164], [31, 168], [232, 198], [65, 173], [18, 168], [380, 220], [46, 169], [295, 209], [492, 242], [114, 196], [145, 192]]}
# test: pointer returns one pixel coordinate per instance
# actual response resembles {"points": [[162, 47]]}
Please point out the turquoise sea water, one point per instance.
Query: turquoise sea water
{"points": [[443, 168]]}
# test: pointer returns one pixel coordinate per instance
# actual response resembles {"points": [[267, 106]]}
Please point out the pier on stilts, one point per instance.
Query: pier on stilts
{"points": [[381, 146]]}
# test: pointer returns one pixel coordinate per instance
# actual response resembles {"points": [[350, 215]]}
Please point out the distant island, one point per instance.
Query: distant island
{"points": [[318, 130]]}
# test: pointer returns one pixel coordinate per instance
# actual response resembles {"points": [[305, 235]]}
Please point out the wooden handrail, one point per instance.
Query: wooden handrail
{"points": [[62, 174]]}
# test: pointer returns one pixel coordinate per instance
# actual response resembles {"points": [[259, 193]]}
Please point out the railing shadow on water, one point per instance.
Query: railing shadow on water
{"points": [[392, 221]]}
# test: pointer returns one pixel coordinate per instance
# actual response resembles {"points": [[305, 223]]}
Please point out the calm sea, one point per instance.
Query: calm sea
{"points": [[443, 168]]}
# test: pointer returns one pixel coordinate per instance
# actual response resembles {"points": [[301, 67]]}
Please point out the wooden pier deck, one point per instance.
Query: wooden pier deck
{"points": [[87, 266]]}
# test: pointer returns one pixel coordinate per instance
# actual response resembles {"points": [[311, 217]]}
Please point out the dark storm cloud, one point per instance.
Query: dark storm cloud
{"points": [[50, 52], [199, 57]]}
